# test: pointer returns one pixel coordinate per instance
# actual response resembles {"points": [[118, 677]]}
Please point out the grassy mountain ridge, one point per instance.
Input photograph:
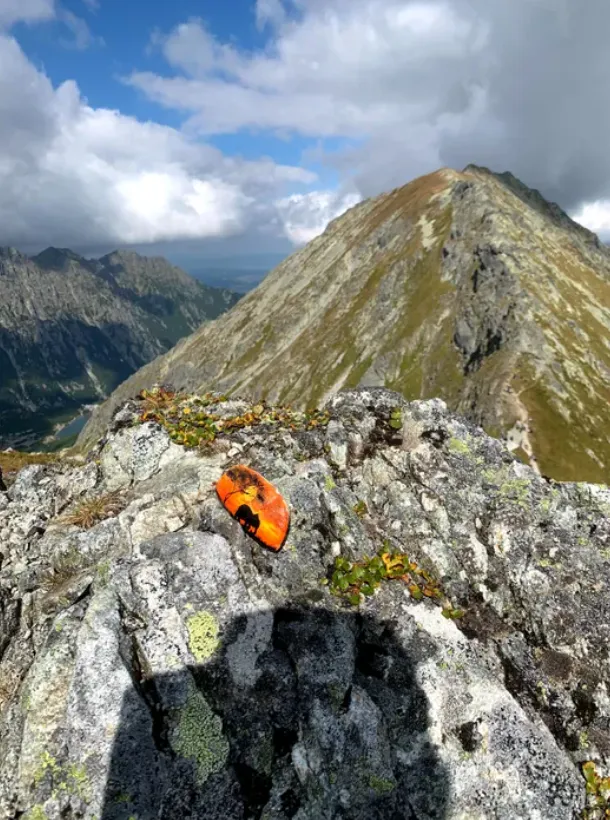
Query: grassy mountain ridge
{"points": [[464, 285]]}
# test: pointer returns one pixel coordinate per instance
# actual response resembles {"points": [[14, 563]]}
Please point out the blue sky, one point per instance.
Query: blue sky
{"points": [[126, 47], [239, 128]]}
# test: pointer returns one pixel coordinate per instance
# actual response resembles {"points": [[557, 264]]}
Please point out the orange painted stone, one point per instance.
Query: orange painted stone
{"points": [[256, 504]]}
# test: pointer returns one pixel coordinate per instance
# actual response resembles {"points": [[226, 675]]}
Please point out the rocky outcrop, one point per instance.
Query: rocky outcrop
{"points": [[464, 286], [161, 664], [72, 329]]}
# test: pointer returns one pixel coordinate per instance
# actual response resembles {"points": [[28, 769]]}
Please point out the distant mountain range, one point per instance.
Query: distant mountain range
{"points": [[72, 329], [465, 285]]}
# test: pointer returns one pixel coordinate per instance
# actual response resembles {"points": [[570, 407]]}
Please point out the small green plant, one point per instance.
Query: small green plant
{"points": [[396, 418], [354, 580], [451, 613], [329, 484], [598, 794], [191, 421], [360, 509]]}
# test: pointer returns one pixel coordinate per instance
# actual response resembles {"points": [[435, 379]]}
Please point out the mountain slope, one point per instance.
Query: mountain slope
{"points": [[71, 329], [468, 286]]}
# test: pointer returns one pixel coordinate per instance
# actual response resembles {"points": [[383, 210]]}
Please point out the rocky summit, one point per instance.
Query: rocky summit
{"points": [[431, 642], [71, 329], [466, 286]]}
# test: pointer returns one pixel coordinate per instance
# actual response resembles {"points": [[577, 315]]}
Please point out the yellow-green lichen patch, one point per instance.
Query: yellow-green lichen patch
{"points": [[516, 490], [456, 445], [199, 736], [381, 785], [69, 778], [203, 635], [37, 812]]}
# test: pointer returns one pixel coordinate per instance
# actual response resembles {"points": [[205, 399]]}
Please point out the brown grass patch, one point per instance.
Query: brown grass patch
{"points": [[91, 511], [11, 461]]}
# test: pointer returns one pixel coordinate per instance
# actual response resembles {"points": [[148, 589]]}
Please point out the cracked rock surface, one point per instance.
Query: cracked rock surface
{"points": [[161, 664]]}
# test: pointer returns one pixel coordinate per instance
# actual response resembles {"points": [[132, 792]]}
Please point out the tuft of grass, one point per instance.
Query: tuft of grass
{"points": [[10, 680], [91, 511], [360, 509], [62, 571]]}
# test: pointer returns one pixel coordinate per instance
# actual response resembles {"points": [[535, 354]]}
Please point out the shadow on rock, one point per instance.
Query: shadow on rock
{"points": [[298, 713]]}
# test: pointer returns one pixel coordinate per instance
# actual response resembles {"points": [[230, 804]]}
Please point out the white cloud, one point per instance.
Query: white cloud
{"points": [[82, 38], [409, 85], [269, 13], [419, 84], [305, 216], [26, 11], [77, 176], [596, 217]]}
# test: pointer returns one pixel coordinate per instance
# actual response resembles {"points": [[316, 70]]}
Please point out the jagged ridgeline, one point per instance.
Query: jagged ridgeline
{"points": [[72, 329], [468, 286]]}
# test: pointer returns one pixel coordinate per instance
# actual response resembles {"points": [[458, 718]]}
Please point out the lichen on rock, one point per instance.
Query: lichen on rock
{"points": [[199, 737], [203, 635]]}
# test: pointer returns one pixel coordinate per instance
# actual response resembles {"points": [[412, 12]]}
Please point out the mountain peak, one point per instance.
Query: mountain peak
{"points": [[60, 259], [121, 255], [534, 199], [9, 253], [465, 286]]}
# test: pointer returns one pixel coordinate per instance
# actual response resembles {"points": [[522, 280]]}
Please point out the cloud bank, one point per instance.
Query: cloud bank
{"points": [[406, 86], [417, 84], [76, 176]]}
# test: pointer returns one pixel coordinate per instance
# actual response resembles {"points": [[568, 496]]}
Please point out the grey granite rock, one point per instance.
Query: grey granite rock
{"points": [[162, 664]]}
